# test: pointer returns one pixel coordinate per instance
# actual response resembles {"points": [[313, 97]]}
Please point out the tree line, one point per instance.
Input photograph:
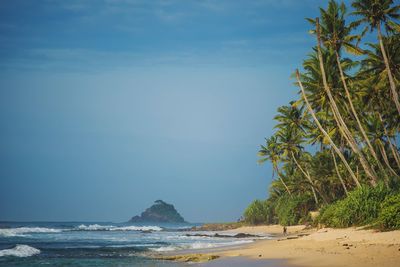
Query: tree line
{"points": [[336, 144]]}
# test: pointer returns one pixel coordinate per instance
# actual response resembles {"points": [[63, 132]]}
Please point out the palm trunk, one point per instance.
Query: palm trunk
{"points": [[338, 174], [340, 154], [392, 147], [319, 191], [282, 181], [308, 178], [385, 158], [394, 150], [341, 124], [353, 111], [378, 162], [357, 171], [395, 95], [315, 195], [346, 137]]}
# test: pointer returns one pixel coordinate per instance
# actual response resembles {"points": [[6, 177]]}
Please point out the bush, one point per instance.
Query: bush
{"points": [[389, 216], [362, 206], [327, 215], [292, 210], [285, 210], [259, 212]]}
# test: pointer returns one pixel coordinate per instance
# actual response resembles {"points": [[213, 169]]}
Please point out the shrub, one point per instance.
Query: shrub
{"points": [[291, 210], [258, 212], [389, 216], [362, 206]]}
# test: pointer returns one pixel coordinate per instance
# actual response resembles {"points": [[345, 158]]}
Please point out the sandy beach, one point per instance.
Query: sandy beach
{"points": [[322, 248]]}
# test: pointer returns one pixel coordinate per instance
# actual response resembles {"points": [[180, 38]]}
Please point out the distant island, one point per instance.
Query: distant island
{"points": [[159, 212]]}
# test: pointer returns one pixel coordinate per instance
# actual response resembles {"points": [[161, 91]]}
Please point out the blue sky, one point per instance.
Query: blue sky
{"points": [[106, 106]]}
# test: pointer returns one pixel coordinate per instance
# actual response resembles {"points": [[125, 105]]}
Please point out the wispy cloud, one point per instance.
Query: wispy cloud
{"points": [[84, 34]]}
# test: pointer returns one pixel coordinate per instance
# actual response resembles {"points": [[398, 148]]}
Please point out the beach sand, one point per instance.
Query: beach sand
{"points": [[321, 248], [244, 262]]}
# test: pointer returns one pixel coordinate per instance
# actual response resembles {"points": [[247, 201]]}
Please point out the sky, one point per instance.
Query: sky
{"points": [[109, 105]]}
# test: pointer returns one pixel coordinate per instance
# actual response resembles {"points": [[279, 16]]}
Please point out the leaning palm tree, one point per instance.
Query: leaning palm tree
{"points": [[336, 35], [291, 116], [374, 13], [290, 142], [379, 138], [317, 81], [373, 65], [326, 135], [344, 129], [373, 79], [292, 122], [272, 152], [338, 173]]}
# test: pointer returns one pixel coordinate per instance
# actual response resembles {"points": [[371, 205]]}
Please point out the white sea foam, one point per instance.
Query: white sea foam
{"points": [[186, 237], [131, 246], [137, 228], [20, 231], [97, 227], [210, 236], [20, 251], [200, 245], [166, 249], [94, 227]]}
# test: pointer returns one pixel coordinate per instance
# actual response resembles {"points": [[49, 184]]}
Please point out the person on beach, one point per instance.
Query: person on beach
{"points": [[284, 230]]}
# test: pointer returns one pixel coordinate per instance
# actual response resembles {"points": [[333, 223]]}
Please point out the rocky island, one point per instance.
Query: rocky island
{"points": [[159, 212]]}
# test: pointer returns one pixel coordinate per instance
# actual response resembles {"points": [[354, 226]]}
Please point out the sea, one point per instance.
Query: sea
{"points": [[100, 243]]}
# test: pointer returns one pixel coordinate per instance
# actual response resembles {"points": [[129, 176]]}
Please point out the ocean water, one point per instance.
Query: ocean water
{"points": [[98, 244]]}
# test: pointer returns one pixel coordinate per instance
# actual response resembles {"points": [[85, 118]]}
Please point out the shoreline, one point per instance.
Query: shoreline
{"points": [[326, 247]]}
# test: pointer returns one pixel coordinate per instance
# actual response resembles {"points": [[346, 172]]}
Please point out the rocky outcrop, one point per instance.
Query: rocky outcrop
{"points": [[238, 235], [159, 212]]}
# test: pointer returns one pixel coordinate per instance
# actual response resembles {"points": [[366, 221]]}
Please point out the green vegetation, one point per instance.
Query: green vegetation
{"points": [[286, 210], [389, 216], [293, 210], [335, 147], [259, 212], [362, 206]]}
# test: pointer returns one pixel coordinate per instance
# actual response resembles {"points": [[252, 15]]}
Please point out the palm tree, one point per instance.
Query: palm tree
{"points": [[327, 136], [345, 111], [373, 78], [338, 117], [378, 137], [373, 65], [290, 135], [318, 96], [375, 13], [292, 116], [322, 167], [392, 147], [335, 35], [272, 152]]}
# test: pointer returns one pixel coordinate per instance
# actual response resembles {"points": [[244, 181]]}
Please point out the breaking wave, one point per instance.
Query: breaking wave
{"points": [[20, 231], [97, 227], [200, 245], [19, 251]]}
